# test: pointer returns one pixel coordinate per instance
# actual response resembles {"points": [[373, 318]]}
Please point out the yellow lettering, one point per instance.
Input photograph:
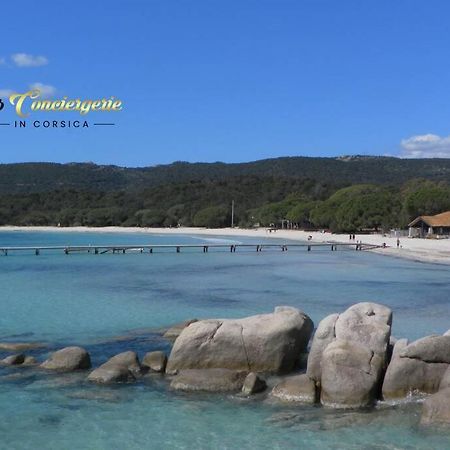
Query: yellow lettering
{"points": [[85, 107], [95, 105], [20, 100], [117, 105], [82, 106]]}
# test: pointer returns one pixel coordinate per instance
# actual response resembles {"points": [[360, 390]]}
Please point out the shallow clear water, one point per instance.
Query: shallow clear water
{"points": [[111, 303]]}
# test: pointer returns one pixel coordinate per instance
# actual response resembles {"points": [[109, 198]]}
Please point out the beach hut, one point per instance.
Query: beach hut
{"points": [[431, 226]]}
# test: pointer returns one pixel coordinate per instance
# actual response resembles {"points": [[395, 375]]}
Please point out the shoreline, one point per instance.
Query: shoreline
{"points": [[421, 250]]}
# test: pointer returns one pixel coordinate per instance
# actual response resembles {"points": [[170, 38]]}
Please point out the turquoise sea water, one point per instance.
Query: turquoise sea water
{"points": [[112, 303]]}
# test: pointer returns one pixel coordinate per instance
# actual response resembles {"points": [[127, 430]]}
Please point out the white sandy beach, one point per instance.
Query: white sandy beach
{"points": [[425, 250]]}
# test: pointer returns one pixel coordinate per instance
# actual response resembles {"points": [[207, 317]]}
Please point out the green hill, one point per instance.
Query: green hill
{"points": [[344, 194], [39, 177]]}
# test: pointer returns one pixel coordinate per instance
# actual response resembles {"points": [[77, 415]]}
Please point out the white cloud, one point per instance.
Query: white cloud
{"points": [[2, 61], [26, 60], [46, 90], [5, 93], [426, 146]]}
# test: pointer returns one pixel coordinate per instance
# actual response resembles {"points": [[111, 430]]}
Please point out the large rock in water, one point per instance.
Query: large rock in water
{"points": [[68, 359], [122, 368], [298, 388], [417, 367], [209, 380], [323, 336], [129, 360], [350, 375], [436, 409], [349, 353], [263, 343]]}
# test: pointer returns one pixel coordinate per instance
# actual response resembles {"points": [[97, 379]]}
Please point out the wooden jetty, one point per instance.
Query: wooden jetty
{"points": [[152, 248]]}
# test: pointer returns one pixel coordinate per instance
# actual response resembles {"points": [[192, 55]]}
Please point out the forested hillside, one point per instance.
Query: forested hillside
{"points": [[40, 177], [342, 194]]}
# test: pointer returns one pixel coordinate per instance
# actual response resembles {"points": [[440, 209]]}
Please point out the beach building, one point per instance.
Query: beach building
{"points": [[431, 226]]}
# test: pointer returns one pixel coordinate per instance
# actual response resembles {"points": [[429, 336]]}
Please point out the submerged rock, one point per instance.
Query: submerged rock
{"points": [[417, 367], [98, 395], [68, 359], [175, 330], [20, 346], [436, 409], [209, 380], [298, 388], [122, 368], [155, 361], [14, 360], [263, 343], [253, 384]]}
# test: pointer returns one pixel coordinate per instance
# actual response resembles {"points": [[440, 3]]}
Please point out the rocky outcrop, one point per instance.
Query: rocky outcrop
{"points": [[323, 336], [298, 388], [155, 361], [122, 368], [209, 380], [417, 367], [350, 375], [253, 384], [175, 330], [436, 409], [263, 343], [68, 359], [349, 353]]}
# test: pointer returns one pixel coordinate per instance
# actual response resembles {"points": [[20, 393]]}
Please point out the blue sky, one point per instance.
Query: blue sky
{"points": [[229, 80]]}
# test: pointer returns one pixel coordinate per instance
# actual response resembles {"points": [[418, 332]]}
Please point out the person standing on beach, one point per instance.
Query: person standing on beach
{"points": [[398, 243]]}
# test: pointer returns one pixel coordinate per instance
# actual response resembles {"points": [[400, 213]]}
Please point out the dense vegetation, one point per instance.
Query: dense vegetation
{"points": [[339, 194], [345, 171]]}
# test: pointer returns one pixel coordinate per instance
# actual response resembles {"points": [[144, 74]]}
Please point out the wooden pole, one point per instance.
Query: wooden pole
{"points": [[232, 213]]}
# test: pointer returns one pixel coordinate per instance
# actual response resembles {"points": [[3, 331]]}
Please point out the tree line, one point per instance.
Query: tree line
{"points": [[260, 200]]}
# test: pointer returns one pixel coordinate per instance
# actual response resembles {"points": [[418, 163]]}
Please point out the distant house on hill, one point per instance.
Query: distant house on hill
{"points": [[431, 226]]}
